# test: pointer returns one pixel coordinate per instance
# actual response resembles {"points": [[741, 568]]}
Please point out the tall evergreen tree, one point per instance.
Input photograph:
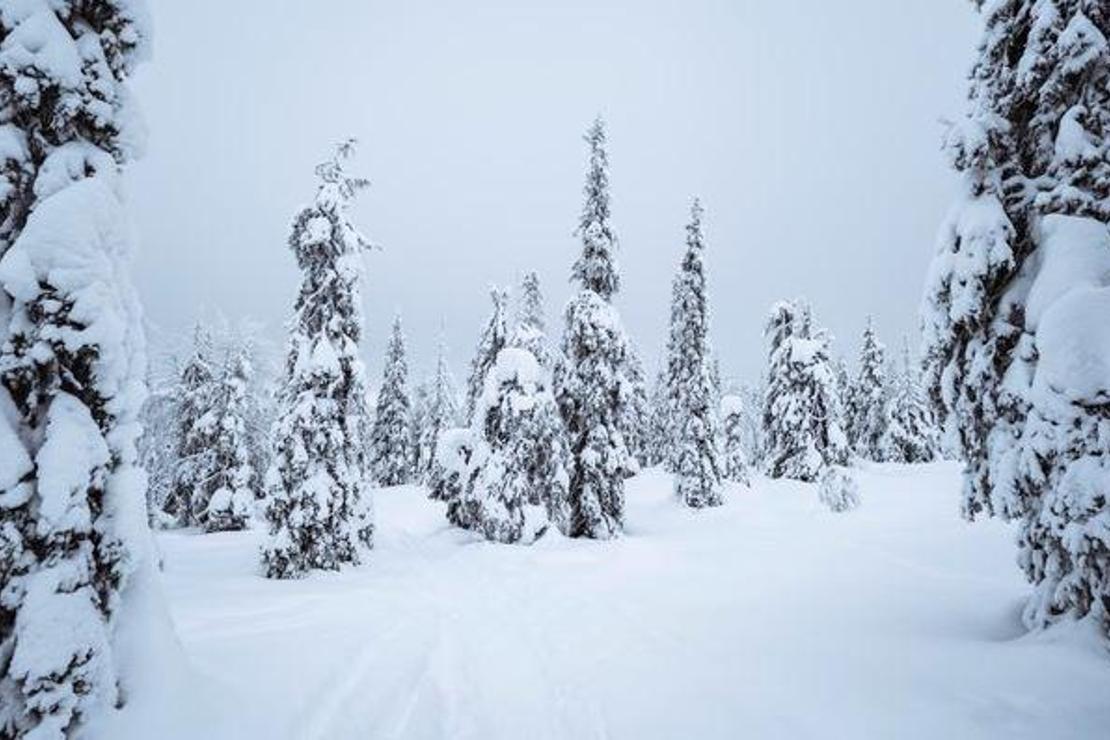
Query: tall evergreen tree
{"points": [[866, 405], [493, 339], [695, 459], [590, 379], [390, 440], [195, 400], [1034, 158], [530, 329], [910, 432], [319, 484], [441, 414], [232, 479], [74, 548], [802, 432]]}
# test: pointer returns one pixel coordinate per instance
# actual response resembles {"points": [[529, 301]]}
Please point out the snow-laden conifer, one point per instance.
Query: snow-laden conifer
{"points": [[390, 439], [865, 414], [195, 461], [802, 432], [233, 479], [1022, 249], [590, 378], [530, 328], [75, 549], [319, 483], [636, 422], [734, 457], [517, 481], [493, 339], [441, 413], [690, 401], [910, 432]]}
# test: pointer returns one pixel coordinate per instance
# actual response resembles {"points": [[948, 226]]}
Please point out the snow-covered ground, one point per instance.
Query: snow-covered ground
{"points": [[767, 618]]}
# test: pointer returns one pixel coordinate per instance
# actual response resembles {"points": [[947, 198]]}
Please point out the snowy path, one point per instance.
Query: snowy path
{"points": [[767, 618]]}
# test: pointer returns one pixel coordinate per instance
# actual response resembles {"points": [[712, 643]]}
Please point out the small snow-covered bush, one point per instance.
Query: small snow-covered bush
{"points": [[839, 490]]}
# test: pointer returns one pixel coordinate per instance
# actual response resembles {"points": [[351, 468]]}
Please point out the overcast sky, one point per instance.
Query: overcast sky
{"points": [[810, 130]]}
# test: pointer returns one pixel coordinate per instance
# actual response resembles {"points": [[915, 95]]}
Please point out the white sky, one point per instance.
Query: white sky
{"points": [[810, 129]]}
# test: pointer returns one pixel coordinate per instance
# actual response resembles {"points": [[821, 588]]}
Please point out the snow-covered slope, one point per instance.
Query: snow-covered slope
{"points": [[767, 618]]}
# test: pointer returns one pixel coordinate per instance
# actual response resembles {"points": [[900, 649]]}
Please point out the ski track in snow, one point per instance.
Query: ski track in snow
{"points": [[769, 617]]}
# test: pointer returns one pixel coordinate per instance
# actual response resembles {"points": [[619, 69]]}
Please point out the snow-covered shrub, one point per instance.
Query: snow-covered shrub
{"points": [[838, 490], [456, 461], [802, 432], [690, 408], [390, 434], [591, 380], [319, 505]]}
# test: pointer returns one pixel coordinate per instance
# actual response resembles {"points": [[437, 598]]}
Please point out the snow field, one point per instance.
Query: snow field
{"points": [[768, 617]]}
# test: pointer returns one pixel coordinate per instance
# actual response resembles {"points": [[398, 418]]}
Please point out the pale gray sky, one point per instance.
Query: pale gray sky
{"points": [[809, 129]]}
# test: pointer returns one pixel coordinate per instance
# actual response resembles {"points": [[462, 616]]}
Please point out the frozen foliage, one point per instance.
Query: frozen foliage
{"points": [[839, 490], [530, 329], [207, 425], [514, 478], [390, 437], [441, 413], [1065, 448], [910, 433], [636, 422], [233, 478], [74, 542], [802, 432], [195, 458], [596, 269], [493, 339], [690, 406], [864, 412], [591, 379], [734, 462], [319, 483], [1032, 153]]}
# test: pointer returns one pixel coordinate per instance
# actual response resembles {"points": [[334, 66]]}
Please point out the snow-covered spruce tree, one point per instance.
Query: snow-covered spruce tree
{"points": [[196, 409], [441, 414], [518, 481], [865, 413], [417, 412], [734, 462], [319, 484], [493, 339], [802, 432], [389, 440], [636, 422], [1024, 246], [691, 408], [590, 378], [232, 478], [74, 542], [530, 329], [910, 433]]}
